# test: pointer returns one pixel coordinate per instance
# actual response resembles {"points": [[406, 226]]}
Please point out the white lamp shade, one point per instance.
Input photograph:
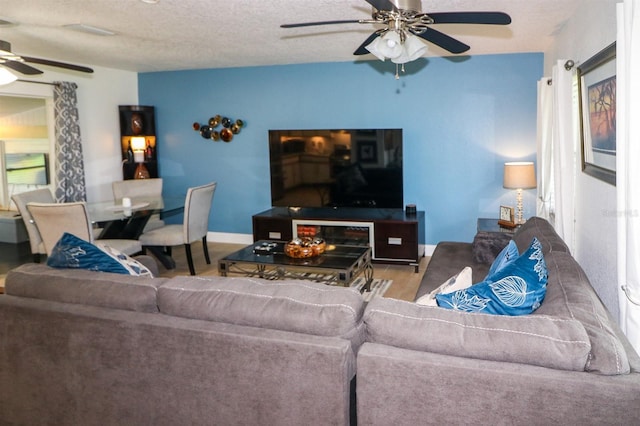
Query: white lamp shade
{"points": [[138, 143], [6, 76], [387, 46], [413, 49], [519, 175]]}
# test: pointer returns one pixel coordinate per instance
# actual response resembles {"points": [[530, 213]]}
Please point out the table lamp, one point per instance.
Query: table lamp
{"points": [[138, 145], [519, 176]]}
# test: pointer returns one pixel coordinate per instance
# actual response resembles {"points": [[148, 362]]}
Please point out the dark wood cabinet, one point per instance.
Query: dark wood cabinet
{"points": [[394, 236], [272, 228], [138, 121], [396, 240]]}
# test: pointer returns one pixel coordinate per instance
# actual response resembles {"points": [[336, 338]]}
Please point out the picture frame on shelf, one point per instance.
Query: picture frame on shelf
{"points": [[507, 217], [597, 106]]}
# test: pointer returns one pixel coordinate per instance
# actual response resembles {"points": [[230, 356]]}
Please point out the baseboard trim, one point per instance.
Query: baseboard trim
{"points": [[428, 250], [225, 237]]}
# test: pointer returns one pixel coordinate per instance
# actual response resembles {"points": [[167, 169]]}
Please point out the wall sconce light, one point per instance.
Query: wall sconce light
{"points": [[138, 145], [519, 176]]}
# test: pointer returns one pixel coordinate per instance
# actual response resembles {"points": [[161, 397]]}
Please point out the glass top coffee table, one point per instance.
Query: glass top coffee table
{"points": [[338, 265]]}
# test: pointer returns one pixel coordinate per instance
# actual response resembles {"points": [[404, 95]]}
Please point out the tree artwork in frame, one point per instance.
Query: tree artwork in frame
{"points": [[507, 218], [597, 102]]}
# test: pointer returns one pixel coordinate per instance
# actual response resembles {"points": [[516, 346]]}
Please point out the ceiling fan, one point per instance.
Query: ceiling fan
{"points": [[19, 63], [404, 18]]}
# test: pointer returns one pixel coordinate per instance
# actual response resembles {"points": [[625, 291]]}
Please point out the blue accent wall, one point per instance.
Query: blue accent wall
{"points": [[462, 118]]}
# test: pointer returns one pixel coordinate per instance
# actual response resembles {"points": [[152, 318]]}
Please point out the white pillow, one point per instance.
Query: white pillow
{"points": [[132, 266], [460, 281]]}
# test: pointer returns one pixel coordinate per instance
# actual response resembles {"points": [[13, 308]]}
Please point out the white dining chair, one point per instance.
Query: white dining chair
{"points": [[194, 227], [140, 188], [54, 219], [42, 195]]}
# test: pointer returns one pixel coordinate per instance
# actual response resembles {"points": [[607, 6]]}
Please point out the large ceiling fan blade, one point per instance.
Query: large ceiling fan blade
{"points": [[444, 41], [57, 64], [362, 49], [21, 67], [381, 4], [496, 18], [311, 24]]}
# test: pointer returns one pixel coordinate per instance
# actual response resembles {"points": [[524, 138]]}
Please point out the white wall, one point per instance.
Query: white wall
{"points": [[99, 95], [591, 29]]}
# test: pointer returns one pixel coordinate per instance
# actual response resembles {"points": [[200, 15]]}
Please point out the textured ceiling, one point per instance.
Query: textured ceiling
{"points": [[191, 34]]}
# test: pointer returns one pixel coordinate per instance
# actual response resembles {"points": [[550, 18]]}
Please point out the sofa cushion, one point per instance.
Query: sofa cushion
{"points": [[459, 281], [532, 339], [449, 258], [570, 295], [543, 231], [290, 305], [507, 255], [71, 252], [516, 289], [80, 286]]}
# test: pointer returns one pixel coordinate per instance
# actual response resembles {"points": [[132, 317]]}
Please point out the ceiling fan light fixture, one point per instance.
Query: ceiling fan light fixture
{"points": [[413, 49], [6, 77], [387, 46]]}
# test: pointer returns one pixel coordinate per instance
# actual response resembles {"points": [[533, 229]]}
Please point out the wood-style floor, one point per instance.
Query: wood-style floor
{"points": [[404, 287]]}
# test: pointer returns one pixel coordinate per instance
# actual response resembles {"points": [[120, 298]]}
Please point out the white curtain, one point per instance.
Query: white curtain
{"points": [[557, 151], [544, 160], [628, 172]]}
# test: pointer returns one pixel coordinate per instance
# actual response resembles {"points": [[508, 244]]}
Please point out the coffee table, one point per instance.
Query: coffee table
{"points": [[338, 265]]}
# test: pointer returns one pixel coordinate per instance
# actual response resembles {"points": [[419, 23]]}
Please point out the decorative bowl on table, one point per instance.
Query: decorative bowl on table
{"points": [[302, 248]]}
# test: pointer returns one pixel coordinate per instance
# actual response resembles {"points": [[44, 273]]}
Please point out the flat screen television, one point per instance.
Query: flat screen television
{"points": [[336, 168], [27, 168]]}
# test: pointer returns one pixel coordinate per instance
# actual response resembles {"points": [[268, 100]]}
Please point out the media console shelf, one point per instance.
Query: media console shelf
{"points": [[394, 236]]}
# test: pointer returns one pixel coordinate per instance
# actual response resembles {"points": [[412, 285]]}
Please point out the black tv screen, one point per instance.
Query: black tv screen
{"points": [[27, 169], [336, 168]]}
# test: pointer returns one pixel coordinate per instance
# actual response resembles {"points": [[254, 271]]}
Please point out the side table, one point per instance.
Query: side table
{"points": [[489, 240], [491, 225]]}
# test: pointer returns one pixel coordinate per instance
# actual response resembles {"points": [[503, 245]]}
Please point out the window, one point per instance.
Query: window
{"points": [[26, 143]]}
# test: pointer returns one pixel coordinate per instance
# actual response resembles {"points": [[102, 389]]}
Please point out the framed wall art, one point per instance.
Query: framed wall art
{"points": [[597, 105]]}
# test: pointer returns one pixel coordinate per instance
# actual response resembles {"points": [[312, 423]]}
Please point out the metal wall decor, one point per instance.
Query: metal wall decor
{"points": [[225, 134]]}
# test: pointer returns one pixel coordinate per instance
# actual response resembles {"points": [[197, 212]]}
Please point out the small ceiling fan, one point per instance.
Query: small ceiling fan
{"points": [[19, 63], [405, 18]]}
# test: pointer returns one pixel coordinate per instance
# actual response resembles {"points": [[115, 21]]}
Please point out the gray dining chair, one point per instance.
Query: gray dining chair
{"points": [[39, 196], [194, 227], [140, 188], [54, 219]]}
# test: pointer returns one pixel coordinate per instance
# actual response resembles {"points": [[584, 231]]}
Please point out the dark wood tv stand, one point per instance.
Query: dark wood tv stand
{"points": [[394, 236]]}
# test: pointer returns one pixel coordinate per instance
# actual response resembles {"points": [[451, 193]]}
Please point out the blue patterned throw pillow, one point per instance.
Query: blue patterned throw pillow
{"points": [[505, 257], [71, 252], [516, 289]]}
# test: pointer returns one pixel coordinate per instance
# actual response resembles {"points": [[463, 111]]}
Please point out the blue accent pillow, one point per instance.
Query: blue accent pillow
{"points": [[505, 257], [516, 289], [71, 252]]}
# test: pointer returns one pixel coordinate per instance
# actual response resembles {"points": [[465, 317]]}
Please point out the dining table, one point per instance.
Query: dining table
{"points": [[126, 220]]}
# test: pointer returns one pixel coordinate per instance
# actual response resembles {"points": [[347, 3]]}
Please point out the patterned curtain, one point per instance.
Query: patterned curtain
{"points": [[69, 164]]}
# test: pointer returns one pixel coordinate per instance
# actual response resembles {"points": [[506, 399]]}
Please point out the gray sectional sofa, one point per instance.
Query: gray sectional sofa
{"points": [[81, 347], [567, 363], [91, 348]]}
